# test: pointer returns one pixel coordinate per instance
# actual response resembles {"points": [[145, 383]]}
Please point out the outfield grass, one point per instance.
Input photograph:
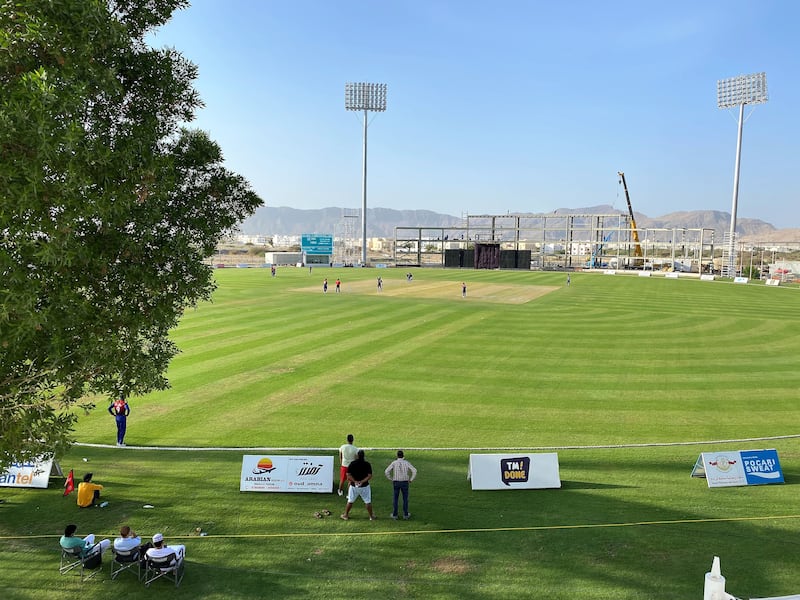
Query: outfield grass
{"points": [[522, 362]]}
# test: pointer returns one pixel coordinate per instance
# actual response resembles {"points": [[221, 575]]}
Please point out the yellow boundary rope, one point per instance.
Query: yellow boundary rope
{"points": [[318, 534]]}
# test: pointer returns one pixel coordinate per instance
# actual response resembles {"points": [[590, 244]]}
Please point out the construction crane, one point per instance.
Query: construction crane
{"points": [[638, 249]]}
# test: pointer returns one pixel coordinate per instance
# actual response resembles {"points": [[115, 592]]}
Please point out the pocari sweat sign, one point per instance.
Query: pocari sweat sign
{"points": [[739, 468], [761, 466]]}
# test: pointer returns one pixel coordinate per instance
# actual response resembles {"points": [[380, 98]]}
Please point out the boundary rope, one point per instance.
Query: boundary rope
{"points": [[444, 449], [318, 534]]}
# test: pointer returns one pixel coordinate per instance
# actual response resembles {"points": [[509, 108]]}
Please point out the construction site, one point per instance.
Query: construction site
{"points": [[572, 241], [559, 241]]}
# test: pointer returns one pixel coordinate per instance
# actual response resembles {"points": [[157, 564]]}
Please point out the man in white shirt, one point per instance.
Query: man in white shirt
{"points": [[127, 540], [160, 550], [347, 454]]}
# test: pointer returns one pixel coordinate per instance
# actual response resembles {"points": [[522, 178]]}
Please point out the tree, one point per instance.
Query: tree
{"points": [[108, 207]]}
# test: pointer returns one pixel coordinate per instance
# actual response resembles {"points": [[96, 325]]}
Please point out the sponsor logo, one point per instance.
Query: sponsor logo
{"points": [[264, 466], [515, 470], [308, 469], [762, 466], [722, 463]]}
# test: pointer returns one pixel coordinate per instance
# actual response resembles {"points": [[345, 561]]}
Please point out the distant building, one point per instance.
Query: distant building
{"points": [[282, 259], [285, 240]]}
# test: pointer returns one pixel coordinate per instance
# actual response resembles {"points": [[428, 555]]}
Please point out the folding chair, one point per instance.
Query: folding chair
{"points": [[122, 560], [168, 567], [71, 559]]}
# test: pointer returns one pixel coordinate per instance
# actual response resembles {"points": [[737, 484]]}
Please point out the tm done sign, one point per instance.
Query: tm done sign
{"points": [[514, 471]]}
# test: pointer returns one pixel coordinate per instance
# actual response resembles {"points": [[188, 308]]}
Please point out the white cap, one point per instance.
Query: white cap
{"points": [[158, 538]]}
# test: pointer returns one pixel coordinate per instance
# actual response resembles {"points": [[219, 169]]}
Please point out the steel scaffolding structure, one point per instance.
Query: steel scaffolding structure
{"points": [[563, 241], [345, 246]]}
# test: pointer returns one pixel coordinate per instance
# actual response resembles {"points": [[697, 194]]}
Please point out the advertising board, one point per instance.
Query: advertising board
{"points": [[33, 474], [514, 471], [739, 468], [269, 473]]}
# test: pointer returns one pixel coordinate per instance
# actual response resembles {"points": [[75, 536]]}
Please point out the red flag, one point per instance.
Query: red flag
{"points": [[69, 484]]}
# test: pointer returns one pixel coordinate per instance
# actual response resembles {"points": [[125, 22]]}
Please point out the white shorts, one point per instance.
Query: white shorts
{"points": [[365, 493]]}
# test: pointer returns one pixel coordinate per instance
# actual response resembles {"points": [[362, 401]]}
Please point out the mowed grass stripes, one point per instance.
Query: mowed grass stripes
{"points": [[523, 361], [274, 361]]}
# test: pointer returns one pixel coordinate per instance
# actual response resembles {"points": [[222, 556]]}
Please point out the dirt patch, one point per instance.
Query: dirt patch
{"points": [[478, 292], [451, 565]]}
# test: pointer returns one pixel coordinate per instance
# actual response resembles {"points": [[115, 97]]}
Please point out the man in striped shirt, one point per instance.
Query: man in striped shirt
{"points": [[400, 472]]}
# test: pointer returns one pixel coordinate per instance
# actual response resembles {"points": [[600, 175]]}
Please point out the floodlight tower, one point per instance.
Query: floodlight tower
{"points": [[738, 91], [365, 97]]}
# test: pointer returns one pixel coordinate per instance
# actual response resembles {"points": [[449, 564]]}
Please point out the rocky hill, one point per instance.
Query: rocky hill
{"points": [[381, 222]]}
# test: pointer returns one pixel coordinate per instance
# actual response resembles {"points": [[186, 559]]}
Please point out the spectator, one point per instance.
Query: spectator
{"points": [[400, 472], [159, 549], [347, 454], [87, 545], [358, 474], [128, 540], [88, 492]]}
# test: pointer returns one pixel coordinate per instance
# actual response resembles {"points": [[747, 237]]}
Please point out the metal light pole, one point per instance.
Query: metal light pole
{"points": [[365, 97], [738, 91]]}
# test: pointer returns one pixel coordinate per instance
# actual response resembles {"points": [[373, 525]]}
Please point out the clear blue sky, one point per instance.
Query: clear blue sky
{"points": [[500, 106]]}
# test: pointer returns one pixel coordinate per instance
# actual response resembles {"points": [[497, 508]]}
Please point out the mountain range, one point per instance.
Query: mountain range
{"points": [[381, 222]]}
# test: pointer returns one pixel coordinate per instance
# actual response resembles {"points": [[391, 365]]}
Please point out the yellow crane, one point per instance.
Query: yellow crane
{"points": [[638, 248]]}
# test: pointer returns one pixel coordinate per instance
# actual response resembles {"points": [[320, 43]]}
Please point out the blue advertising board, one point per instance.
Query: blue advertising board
{"points": [[761, 466], [315, 243]]}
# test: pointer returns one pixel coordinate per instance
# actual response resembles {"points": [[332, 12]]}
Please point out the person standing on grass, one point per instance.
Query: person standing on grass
{"points": [[380, 284], [347, 454], [358, 474], [338, 285], [325, 286], [400, 472], [463, 289], [119, 409]]}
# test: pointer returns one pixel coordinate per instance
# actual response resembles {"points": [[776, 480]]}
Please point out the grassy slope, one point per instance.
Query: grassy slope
{"points": [[608, 360]]}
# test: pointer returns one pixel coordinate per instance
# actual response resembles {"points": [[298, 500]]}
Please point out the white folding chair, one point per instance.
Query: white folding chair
{"points": [[123, 560], [169, 567], [71, 559]]}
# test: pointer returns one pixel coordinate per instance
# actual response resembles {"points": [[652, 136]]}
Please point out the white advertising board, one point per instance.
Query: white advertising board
{"points": [[268, 473], [739, 468], [34, 474], [514, 471]]}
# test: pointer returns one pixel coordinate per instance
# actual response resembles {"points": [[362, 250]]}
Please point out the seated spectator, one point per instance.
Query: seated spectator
{"points": [[128, 540], [87, 545], [159, 549], [88, 492]]}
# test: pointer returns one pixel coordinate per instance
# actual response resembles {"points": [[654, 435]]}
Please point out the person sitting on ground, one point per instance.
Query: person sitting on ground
{"points": [[160, 550], [87, 545], [88, 492]]}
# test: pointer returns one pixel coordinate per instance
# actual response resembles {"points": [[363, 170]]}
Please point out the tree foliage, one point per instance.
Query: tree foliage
{"points": [[108, 207]]}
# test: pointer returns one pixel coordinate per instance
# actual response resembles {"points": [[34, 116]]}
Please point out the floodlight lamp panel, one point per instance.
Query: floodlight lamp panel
{"points": [[743, 89], [365, 96]]}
